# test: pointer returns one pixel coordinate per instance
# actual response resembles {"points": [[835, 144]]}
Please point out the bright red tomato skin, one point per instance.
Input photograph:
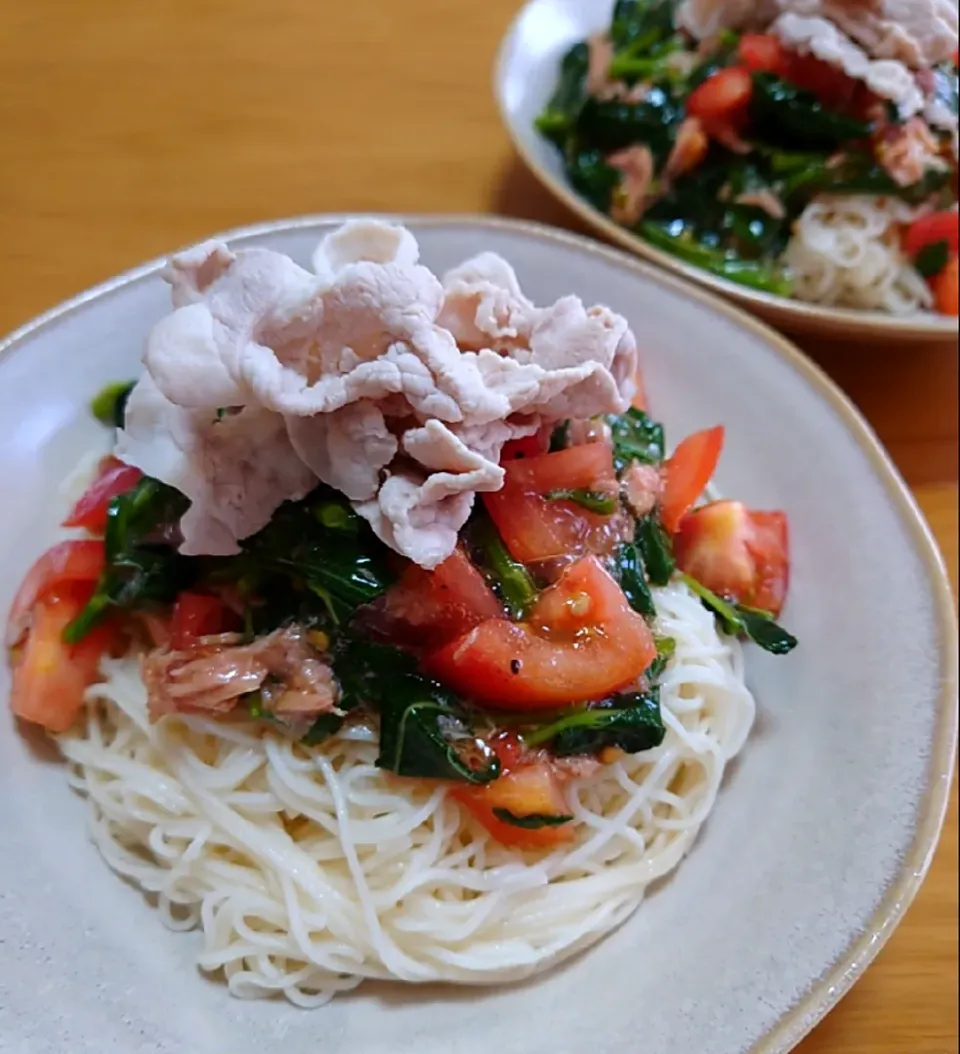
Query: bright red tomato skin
{"points": [[197, 615], [535, 529], [90, 512], [581, 642], [64, 564], [427, 609], [687, 473], [738, 553], [50, 677]]}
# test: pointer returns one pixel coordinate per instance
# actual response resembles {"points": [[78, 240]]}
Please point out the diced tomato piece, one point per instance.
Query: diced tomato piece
{"points": [[738, 553], [90, 511], [64, 564], [525, 789], [830, 84], [535, 529], [429, 608], [723, 100], [586, 467], [687, 474], [944, 287], [764, 53], [197, 615], [581, 642], [50, 677], [927, 230]]}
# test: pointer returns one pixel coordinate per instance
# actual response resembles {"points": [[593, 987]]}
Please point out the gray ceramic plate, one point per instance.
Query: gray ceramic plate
{"points": [[822, 832], [525, 77]]}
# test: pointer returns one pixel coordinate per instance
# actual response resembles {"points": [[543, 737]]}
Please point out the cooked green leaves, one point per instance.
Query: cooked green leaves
{"points": [[592, 500], [559, 118], [424, 731], [141, 569], [737, 620], [509, 579], [932, 258], [677, 238], [733, 213], [590, 175], [628, 570], [109, 404], [322, 543], [613, 124], [631, 722], [656, 548], [639, 26], [636, 437], [532, 821], [783, 113]]}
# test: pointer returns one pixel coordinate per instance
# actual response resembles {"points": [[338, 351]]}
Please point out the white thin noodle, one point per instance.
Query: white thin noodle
{"points": [[845, 251], [310, 870]]}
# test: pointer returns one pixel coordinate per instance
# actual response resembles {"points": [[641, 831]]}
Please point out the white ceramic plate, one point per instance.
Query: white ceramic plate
{"points": [[823, 830], [525, 77]]}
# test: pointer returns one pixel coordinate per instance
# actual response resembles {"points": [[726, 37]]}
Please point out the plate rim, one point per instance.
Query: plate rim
{"points": [[796, 314], [826, 991]]}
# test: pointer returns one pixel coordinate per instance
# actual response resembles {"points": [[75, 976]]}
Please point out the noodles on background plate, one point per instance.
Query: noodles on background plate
{"points": [[801, 149]]}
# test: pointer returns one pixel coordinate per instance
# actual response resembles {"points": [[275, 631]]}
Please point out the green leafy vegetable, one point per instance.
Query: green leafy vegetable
{"points": [[612, 124], [138, 571], [321, 542], [560, 116], [666, 649], [656, 548], [535, 821], [510, 580], [627, 567], [591, 500], [640, 24], [110, 403], [559, 437], [325, 726], [635, 438], [785, 113], [631, 722], [932, 258], [649, 58], [591, 176], [856, 172], [424, 731], [758, 626], [757, 274]]}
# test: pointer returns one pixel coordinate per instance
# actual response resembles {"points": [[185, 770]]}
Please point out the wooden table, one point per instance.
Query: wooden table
{"points": [[128, 129]]}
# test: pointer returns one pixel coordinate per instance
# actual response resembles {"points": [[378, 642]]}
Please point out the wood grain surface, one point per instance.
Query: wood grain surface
{"points": [[128, 129]]}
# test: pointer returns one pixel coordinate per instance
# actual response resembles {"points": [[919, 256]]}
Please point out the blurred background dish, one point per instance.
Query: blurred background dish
{"points": [[642, 132]]}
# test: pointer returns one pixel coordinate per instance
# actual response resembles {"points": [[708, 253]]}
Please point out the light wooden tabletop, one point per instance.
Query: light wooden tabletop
{"points": [[128, 129]]}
